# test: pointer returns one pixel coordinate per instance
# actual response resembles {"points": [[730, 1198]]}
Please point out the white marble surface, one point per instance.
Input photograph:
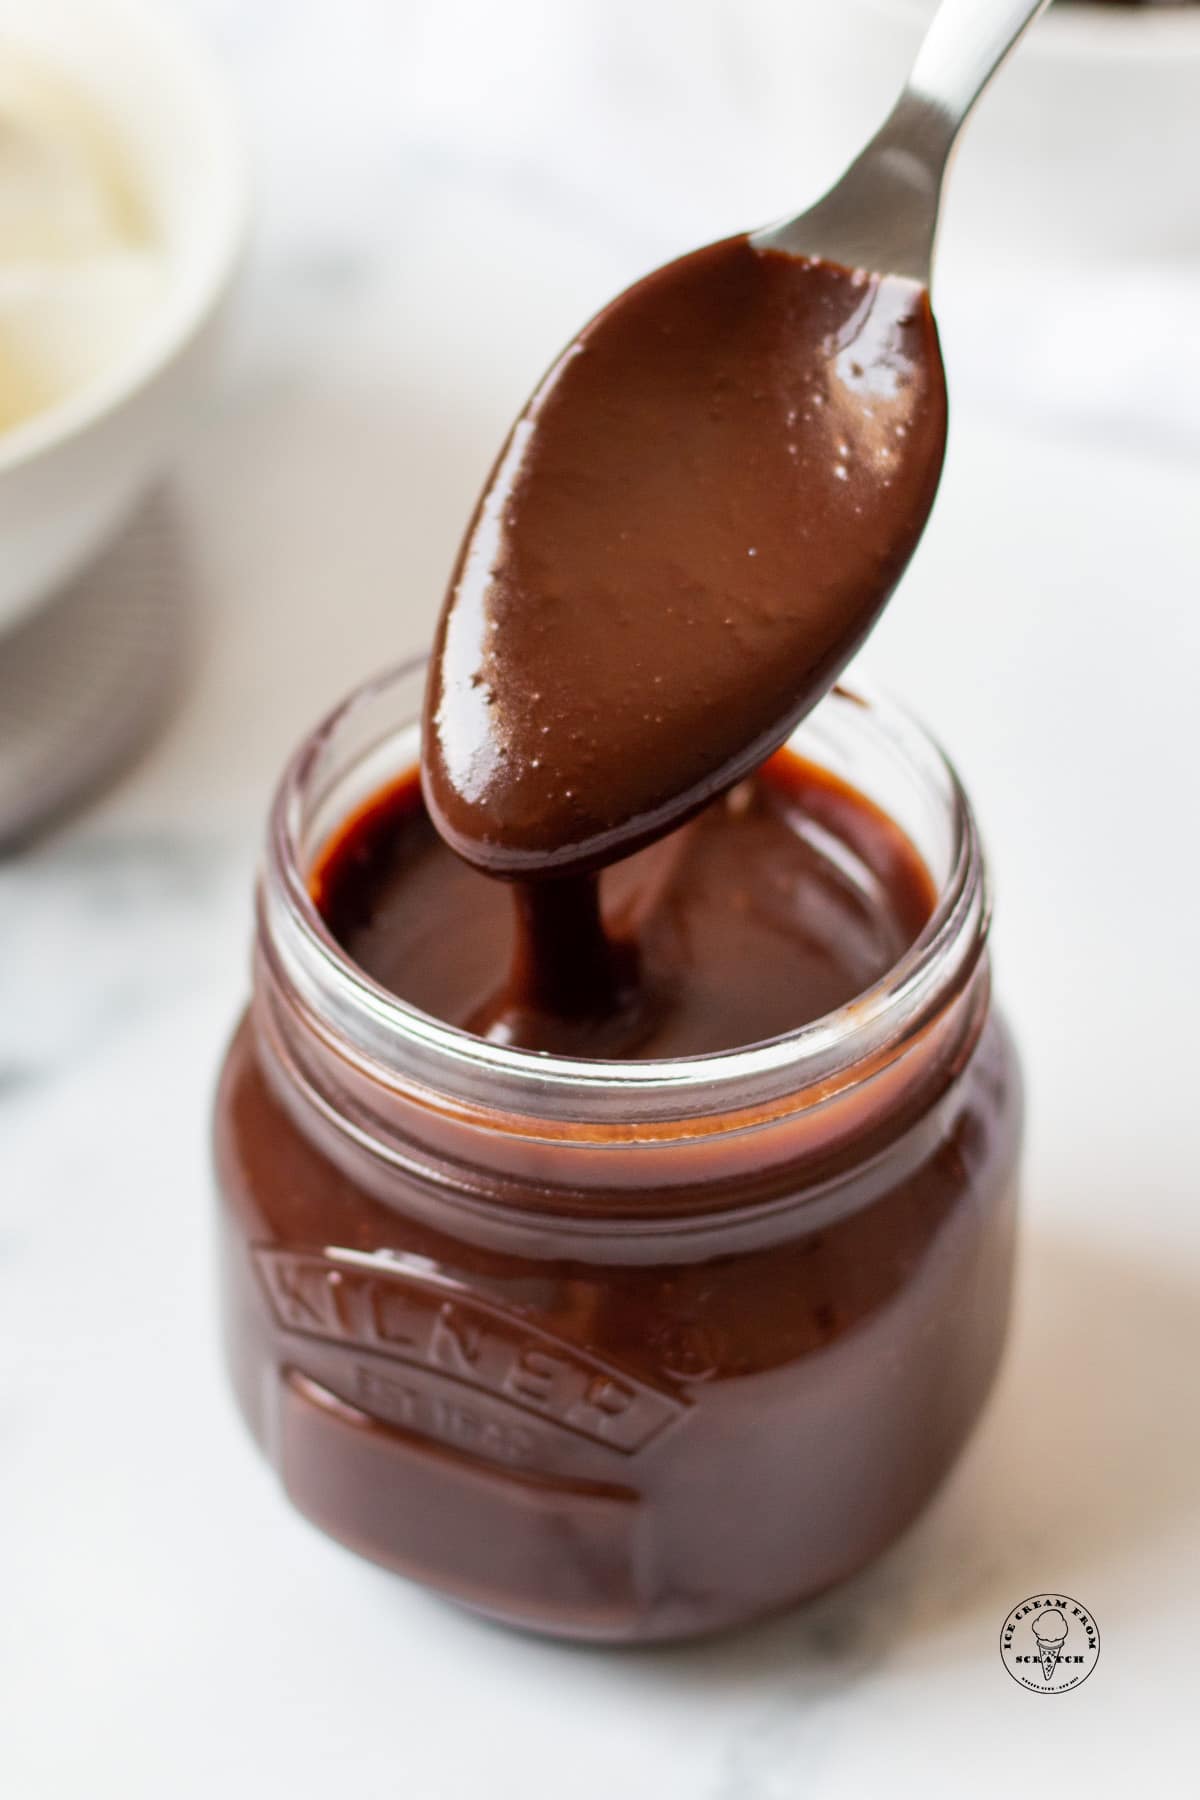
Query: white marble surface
{"points": [[167, 1627]]}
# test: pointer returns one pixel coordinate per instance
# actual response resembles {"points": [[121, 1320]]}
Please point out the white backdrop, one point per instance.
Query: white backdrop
{"points": [[445, 190]]}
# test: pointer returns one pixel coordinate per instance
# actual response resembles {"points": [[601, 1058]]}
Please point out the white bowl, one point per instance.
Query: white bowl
{"points": [[1087, 147], [69, 475]]}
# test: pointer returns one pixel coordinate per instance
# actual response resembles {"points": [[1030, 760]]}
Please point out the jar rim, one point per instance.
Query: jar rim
{"points": [[401, 1046]]}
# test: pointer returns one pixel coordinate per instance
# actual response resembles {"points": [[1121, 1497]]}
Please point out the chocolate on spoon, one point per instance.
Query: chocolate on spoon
{"points": [[693, 526]]}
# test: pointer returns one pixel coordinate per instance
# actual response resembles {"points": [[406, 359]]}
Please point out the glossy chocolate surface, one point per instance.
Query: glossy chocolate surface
{"points": [[782, 901], [692, 527]]}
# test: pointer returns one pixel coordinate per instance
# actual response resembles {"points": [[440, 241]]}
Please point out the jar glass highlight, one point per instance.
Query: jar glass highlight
{"points": [[620, 1351]]}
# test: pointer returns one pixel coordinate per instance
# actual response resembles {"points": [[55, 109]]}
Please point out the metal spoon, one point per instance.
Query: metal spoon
{"points": [[704, 507], [883, 213]]}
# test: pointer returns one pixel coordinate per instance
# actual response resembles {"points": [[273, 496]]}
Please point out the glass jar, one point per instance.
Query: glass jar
{"points": [[616, 1350]]}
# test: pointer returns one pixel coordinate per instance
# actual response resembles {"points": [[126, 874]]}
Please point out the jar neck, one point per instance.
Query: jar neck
{"points": [[410, 1146], [392, 1094]]}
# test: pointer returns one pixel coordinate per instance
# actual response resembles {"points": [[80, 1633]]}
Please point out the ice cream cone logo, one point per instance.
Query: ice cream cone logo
{"points": [[1050, 1634], [1049, 1643]]}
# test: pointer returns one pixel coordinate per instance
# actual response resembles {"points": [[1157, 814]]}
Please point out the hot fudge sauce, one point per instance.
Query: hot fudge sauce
{"points": [[693, 526], [625, 1250], [782, 901]]}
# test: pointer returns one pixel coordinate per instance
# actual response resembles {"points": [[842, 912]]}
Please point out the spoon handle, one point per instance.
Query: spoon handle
{"points": [[883, 212], [966, 43]]}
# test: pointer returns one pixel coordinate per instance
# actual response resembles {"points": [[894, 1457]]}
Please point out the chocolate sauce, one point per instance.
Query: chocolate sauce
{"points": [[780, 902], [692, 527], [635, 1370]]}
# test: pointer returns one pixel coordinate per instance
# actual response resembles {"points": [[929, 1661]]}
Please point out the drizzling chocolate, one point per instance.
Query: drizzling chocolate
{"points": [[779, 903]]}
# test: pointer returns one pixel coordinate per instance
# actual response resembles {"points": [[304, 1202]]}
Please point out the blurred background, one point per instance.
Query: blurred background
{"points": [[369, 226]]}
